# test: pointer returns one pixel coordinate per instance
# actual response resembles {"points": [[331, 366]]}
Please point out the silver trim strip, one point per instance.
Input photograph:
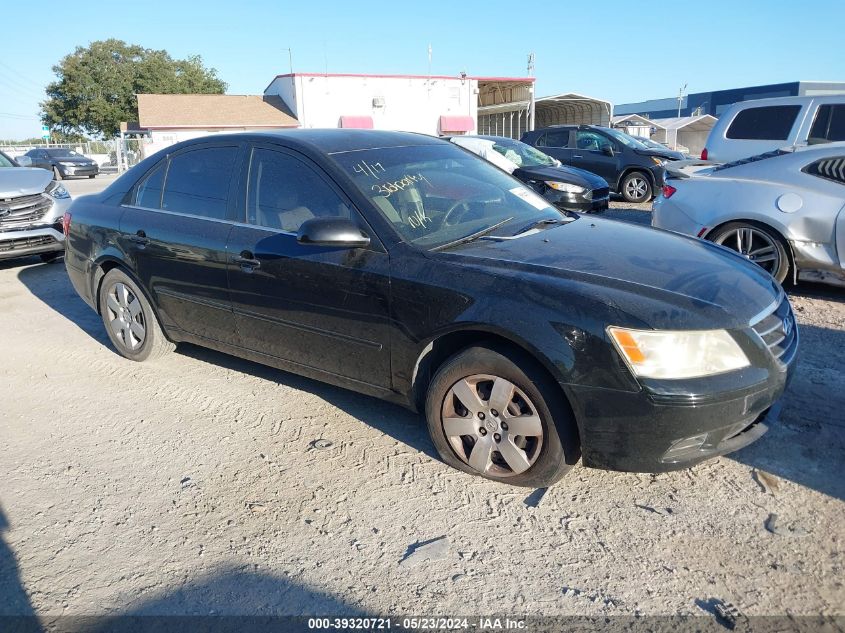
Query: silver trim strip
{"points": [[203, 217], [766, 312]]}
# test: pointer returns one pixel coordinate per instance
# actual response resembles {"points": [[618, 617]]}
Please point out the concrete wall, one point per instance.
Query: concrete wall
{"points": [[413, 104]]}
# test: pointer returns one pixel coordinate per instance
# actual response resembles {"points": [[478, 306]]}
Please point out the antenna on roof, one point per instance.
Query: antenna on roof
{"points": [[530, 64], [290, 59]]}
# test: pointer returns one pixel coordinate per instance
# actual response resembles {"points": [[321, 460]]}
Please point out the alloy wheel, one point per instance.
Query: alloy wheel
{"points": [[125, 317], [492, 425], [636, 188], [755, 245]]}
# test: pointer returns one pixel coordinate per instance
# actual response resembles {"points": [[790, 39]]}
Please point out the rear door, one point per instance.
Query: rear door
{"points": [[829, 124], [175, 233], [557, 144], [590, 154], [318, 307]]}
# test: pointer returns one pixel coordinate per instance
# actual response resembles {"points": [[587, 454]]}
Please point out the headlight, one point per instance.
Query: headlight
{"points": [[57, 190], [66, 164], [678, 354], [564, 186], [658, 161]]}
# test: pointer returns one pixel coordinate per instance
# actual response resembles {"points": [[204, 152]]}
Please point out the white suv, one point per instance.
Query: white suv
{"points": [[749, 128]]}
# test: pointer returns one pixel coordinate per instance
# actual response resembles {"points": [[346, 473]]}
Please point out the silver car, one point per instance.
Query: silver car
{"points": [[32, 206], [784, 210]]}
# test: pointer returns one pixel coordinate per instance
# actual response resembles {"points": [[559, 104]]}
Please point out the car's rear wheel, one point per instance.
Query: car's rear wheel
{"points": [[130, 321], [57, 174], [757, 244], [636, 187], [498, 416]]}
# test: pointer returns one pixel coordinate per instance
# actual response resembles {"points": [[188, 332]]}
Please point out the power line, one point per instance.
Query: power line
{"points": [[23, 77]]}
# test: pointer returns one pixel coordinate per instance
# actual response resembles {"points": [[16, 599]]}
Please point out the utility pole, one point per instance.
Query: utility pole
{"points": [[532, 109], [290, 59], [681, 99]]}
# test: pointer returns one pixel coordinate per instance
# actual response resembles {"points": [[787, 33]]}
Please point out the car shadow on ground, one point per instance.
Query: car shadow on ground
{"points": [[50, 283], [807, 444], [804, 446], [13, 597]]}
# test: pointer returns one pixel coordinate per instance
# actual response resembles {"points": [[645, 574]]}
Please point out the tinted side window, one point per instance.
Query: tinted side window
{"points": [[148, 194], [769, 123], [198, 182], [592, 141], [829, 124], [283, 192], [556, 138]]}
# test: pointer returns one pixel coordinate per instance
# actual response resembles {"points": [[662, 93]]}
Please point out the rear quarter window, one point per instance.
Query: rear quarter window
{"points": [[766, 123], [828, 168]]}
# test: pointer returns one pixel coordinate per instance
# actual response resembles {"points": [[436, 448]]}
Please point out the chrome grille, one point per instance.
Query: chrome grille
{"points": [[779, 331], [9, 246], [23, 210]]}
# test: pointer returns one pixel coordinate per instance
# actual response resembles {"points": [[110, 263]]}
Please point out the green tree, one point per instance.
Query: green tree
{"points": [[96, 86]]}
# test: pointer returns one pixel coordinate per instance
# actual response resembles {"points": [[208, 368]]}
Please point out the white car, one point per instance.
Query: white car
{"points": [[749, 128], [784, 210]]}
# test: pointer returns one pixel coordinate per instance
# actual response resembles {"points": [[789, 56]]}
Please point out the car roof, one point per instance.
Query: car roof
{"points": [[329, 140], [794, 100], [487, 137]]}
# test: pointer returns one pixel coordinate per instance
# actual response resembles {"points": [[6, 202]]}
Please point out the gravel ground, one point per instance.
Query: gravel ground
{"points": [[207, 484]]}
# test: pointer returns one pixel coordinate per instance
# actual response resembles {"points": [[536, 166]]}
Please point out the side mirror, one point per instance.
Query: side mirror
{"points": [[24, 161], [340, 232], [607, 149]]}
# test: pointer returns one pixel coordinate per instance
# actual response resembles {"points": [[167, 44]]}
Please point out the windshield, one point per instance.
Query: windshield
{"points": [[62, 153], [523, 155], [5, 161], [649, 143], [625, 139], [437, 194]]}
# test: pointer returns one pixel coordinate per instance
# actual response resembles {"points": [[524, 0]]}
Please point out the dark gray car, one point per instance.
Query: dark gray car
{"points": [[63, 162]]}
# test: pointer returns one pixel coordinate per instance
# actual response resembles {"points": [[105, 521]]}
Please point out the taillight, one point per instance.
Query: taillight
{"points": [[704, 154], [66, 223], [668, 191]]}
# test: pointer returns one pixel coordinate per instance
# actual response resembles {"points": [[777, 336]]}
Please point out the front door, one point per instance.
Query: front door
{"points": [[175, 234], [316, 307], [592, 154]]}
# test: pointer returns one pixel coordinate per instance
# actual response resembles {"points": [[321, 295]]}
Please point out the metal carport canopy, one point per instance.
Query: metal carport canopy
{"points": [[572, 108], [700, 123]]}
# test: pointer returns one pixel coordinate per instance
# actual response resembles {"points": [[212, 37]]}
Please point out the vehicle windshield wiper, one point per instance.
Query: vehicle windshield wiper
{"points": [[472, 236], [544, 222]]}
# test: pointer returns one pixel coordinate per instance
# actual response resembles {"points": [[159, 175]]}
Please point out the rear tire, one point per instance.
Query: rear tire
{"points": [[757, 243], [532, 441], [636, 187], [129, 319]]}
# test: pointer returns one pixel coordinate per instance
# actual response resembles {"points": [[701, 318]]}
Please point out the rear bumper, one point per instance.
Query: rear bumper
{"points": [[42, 239], [641, 432]]}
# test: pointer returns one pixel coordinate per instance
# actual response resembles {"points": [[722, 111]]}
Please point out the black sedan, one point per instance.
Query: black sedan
{"points": [[63, 162], [567, 188], [403, 267]]}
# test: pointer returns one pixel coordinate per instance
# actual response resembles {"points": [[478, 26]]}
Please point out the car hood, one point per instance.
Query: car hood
{"points": [[570, 175], [22, 181], [668, 154], [660, 279], [78, 160]]}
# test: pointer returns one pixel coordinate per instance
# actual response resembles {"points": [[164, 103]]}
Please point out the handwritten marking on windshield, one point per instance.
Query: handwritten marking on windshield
{"points": [[408, 180], [370, 170]]}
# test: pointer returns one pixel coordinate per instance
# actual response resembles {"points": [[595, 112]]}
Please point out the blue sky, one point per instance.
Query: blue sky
{"points": [[622, 51]]}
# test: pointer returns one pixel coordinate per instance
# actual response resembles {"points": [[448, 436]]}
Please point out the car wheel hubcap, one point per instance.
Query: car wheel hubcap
{"points": [[756, 246], [637, 188], [125, 317], [492, 425]]}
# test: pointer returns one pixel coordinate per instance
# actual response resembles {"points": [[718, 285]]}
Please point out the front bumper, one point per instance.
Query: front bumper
{"points": [[577, 202], [670, 425], [81, 170], [34, 241]]}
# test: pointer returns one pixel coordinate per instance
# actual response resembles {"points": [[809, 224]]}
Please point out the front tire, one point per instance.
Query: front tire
{"points": [[496, 414], [758, 244], [636, 187], [93, 176], [130, 322]]}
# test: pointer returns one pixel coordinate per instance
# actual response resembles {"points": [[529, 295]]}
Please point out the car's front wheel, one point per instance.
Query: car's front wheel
{"points": [[758, 244], [636, 187], [130, 322], [494, 414]]}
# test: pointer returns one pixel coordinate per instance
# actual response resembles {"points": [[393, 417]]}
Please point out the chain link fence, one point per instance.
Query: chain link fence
{"points": [[113, 155]]}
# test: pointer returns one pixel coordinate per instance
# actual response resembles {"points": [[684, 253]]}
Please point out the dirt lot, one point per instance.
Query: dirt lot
{"points": [[197, 485]]}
